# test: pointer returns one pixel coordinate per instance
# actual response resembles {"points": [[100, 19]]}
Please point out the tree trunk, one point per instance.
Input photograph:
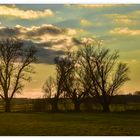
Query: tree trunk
{"points": [[106, 107], [7, 106], [76, 106], [54, 104]]}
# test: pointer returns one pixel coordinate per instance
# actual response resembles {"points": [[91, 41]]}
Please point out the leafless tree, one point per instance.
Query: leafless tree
{"points": [[64, 65], [15, 64], [75, 88], [49, 87], [106, 75]]}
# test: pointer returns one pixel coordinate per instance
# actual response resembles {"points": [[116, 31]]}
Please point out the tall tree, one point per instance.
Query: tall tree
{"points": [[75, 89], [106, 75], [15, 64], [63, 68]]}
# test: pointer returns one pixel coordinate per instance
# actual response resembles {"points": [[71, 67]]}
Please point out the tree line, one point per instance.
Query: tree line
{"points": [[91, 71]]}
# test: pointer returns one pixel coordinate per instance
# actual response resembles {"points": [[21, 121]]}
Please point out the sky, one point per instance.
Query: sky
{"points": [[55, 28]]}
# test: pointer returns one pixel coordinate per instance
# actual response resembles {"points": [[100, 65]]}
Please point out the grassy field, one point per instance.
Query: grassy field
{"points": [[70, 124]]}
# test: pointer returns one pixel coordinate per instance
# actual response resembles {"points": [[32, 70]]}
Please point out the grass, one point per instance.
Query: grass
{"points": [[69, 124]]}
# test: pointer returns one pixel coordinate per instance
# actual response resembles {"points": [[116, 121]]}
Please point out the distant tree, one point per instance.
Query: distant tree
{"points": [[106, 75], [137, 93], [15, 64], [49, 87]]}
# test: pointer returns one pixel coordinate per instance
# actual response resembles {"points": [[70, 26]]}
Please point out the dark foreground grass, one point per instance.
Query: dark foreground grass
{"points": [[70, 124]]}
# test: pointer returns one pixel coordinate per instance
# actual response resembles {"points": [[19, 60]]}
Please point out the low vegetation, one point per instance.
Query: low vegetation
{"points": [[69, 124]]}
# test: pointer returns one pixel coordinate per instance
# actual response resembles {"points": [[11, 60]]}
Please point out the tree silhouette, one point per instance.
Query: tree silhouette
{"points": [[49, 87], [63, 68], [75, 89], [15, 60], [106, 75]]}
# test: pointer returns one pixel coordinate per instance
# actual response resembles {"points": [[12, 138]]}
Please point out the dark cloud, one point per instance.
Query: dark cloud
{"points": [[45, 29], [44, 54], [50, 41], [8, 32]]}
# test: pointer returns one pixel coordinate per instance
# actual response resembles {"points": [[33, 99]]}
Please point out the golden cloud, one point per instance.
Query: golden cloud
{"points": [[125, 31], [13, 11], [99, 5], [122, 19], [125, 21], [46, 35], [85, 22]]}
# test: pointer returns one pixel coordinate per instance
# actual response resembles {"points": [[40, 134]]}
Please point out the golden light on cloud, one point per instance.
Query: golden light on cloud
{"points": [[71, 32], [122, 19], [24, 14], [99, 5], [125, 31], [85, 22], [125, 21]]}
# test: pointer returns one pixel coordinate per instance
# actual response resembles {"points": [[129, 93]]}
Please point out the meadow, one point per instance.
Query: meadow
{"points": [[70, 124]]}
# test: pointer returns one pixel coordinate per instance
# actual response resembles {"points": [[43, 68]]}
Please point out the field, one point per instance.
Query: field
{"points": [[69, 124]]}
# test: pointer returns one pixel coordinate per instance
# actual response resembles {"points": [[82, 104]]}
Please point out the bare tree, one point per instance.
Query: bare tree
{"points": [[49, 87], [15, 60], [106, 75], [63, 68], [75, 88]]}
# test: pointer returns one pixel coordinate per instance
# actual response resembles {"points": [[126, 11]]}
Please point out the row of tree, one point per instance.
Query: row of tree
{"points": [[91, 71]]}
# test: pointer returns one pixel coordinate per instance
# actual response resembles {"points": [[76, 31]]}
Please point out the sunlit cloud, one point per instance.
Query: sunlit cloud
{"points": [[125, 31], [99, 5], [85, 22], [132, 61], [13, 11], [135, 14], [122, 19], [125, 21], [47, 35]]}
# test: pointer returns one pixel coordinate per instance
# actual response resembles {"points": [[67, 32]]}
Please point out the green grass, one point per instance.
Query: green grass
{"points": [[69, 124]]}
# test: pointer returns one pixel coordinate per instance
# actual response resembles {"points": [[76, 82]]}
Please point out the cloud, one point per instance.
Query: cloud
{"points": [[40, 30], [13, 11], [85, 22], [125, 31], [132, 61], [135, 14], [99, 5], [125, 21], [50, 40], [122, 19]]}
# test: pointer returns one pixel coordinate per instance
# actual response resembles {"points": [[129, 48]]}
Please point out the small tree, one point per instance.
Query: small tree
{"points": [[15, 60], [106, 75], [49, 89]]}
